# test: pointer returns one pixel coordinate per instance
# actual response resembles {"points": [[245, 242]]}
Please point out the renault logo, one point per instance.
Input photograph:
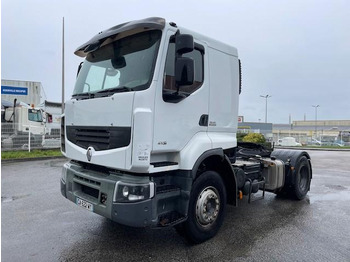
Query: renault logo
{"points": [[89, 153]]}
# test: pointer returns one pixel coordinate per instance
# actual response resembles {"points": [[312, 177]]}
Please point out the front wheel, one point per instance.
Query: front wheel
{"points": [[206, 207]]}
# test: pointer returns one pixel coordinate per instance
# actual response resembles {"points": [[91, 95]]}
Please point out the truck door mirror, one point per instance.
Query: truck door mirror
{"points": [[184, 71], [184, 44]]}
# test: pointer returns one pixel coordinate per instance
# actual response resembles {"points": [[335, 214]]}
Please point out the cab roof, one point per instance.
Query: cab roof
{"points": [[132, 26], [152, 23]]}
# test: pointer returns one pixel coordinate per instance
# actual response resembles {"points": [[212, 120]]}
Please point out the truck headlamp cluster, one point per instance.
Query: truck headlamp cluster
{"points": [[127, 192]]}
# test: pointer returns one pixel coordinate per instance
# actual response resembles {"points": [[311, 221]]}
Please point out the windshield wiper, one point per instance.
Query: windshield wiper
{"points": [[111, 91], [84, 95], [115, 90], [101, 93]]}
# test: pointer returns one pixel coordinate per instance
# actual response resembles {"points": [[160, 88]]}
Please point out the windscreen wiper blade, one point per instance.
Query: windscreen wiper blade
{"points": [[101, 93], [115, 90], [111, 91], [84, 95]]}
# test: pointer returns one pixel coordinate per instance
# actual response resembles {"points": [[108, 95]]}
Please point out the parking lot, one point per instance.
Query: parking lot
{"points": [[38, 224]]}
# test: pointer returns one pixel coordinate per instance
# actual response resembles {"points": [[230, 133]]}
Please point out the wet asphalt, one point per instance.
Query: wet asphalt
{"points": [[38, 224]]}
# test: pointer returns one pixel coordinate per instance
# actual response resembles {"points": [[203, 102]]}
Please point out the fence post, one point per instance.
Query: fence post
{"points": [[29, 139]]}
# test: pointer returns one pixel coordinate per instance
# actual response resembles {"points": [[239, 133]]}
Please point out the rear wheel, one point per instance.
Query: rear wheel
{"points": [[206, 207], [302, 179]]}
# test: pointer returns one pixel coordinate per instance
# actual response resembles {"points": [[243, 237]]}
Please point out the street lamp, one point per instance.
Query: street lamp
{"points": [[316, 106], [266, 97]]}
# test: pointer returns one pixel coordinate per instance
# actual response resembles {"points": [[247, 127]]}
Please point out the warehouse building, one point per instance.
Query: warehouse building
{"points": [[28, 92]]}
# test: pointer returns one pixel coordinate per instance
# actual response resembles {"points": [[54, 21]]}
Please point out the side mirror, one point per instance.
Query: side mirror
{"points": [[184, 44], [184, 71]]}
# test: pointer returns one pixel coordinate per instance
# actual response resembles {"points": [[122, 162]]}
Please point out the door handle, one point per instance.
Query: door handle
{"points": [[203, 120]]}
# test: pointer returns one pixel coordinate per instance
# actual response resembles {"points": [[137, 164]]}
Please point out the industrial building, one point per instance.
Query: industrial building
{"points": [[305, 132], [28, 92], [53, 112]]}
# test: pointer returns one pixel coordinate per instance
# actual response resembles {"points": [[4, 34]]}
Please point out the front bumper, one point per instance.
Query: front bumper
{"points": [[98, 188]]}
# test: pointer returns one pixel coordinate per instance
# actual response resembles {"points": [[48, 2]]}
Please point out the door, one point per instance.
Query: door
{"points": [[179, 118]]}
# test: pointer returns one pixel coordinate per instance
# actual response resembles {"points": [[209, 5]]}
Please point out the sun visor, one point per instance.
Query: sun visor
{"points": [[126, 28]]}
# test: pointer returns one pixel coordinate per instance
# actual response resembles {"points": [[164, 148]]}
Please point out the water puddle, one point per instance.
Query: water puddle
{"points": [[6, 199], [337, 196]]}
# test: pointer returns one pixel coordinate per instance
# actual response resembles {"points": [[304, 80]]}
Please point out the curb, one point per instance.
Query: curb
{"points": [[15, 160]]}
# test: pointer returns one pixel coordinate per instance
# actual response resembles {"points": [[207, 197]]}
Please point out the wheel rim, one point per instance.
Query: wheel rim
{"points": [[303, 178], [208, 206]]}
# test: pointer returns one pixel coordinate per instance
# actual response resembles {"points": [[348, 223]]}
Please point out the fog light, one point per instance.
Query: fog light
{"points": [[103, 198]]}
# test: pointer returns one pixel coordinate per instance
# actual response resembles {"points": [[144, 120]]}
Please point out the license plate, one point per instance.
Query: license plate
{"points": [[84, 204]]}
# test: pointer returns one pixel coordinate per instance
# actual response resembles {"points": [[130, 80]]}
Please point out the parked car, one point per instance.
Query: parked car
{"points": [[288, 141], [314, 142]]}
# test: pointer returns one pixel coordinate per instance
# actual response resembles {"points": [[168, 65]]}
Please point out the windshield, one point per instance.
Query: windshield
{"points": [[35, 115], [120, 66]]}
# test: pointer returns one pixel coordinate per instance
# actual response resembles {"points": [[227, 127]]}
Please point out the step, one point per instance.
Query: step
{"points": [[170, 219]]}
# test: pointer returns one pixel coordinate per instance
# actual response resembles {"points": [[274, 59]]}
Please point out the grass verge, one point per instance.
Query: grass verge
{"points": [[33, 154]]}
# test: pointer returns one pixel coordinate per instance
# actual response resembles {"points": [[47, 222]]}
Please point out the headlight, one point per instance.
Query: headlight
{"points": [[125, 192]]}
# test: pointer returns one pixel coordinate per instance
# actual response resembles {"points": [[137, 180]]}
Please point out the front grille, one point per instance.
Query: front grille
{"points": [[100, 138], [86, 189], [87, 180], [89, 191]]}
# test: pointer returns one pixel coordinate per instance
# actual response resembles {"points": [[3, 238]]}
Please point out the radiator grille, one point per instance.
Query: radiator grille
{"points": [[87, 180], [100, 138]]}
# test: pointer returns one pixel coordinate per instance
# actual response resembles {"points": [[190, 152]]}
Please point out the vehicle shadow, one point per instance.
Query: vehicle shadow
{"points": [[243, 227], [110, 241]]}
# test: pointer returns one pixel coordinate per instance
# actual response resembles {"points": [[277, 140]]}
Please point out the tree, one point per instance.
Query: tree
{"points": [[240, 137], [254, 138]]}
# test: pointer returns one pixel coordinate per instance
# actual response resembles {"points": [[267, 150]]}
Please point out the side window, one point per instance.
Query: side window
{"points": [[169, 74]]}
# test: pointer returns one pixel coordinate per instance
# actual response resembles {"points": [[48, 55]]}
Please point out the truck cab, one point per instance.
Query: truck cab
{"points": [[18, 121], [151, 128], [23, 117]]}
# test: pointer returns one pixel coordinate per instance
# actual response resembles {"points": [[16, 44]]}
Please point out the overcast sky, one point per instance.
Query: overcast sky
{"points": [[297, 51]]}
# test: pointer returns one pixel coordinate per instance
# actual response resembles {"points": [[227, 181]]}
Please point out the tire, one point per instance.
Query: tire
{"points": [[206, 208], [302, 179], [180, 229]]}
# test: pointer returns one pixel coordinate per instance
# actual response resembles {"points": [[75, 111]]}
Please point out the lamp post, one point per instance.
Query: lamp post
{"points": [[266, 97], [316, 106], [63, 65]]}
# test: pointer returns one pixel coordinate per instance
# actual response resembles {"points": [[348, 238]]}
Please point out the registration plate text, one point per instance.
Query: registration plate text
{"points": [[84, 204]]}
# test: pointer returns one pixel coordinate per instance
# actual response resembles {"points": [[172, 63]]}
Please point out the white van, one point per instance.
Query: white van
{"points": [[288, 141]]}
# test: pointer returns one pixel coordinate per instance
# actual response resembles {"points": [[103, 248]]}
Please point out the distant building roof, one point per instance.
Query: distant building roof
{"points": [[331, 125], [52, 104]]}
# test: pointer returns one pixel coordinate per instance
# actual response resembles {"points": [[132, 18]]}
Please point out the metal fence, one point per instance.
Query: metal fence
{"points": [[15, 137], [302, 138]]}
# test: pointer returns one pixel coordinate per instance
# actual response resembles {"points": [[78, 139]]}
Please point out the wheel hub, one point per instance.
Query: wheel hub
{"points": [[207, 206]]}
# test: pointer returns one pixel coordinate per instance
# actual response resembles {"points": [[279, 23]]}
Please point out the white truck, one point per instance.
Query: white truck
{"points": [[18, 120], [151, 132]]}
